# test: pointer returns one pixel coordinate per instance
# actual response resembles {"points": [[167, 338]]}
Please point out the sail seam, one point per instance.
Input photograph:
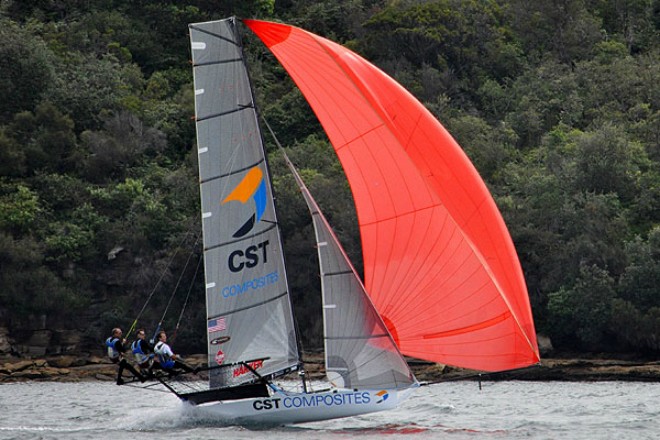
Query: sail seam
{"points": [[228, 112], [214, 63], [479, 326], [342, 338], [210, 248], [361, 135], [238, 171], [220, 37], [387, 219], [259, 304], [343, 272]]}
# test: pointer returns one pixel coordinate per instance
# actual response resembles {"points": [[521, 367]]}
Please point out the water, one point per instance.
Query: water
{"points": [[455, 411]]}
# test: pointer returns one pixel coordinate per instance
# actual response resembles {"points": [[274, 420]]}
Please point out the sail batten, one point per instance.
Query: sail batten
{"points": [[225, 113], [214, 63], [263, 303], [339, 338], [234, 171]]}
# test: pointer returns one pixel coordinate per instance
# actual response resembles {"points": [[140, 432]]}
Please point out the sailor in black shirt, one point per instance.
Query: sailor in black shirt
{"points": [[116, 349]]}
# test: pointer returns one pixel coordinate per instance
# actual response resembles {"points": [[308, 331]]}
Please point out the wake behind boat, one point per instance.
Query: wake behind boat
{"points": [[442, 279]]}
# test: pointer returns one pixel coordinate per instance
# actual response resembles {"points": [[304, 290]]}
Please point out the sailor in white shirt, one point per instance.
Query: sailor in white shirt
{"points": [[166, 358]]}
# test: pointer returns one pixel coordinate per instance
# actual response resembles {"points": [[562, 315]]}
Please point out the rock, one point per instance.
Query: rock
{"points": [[38, 343], [51, 372], [17, 366], [79, 361], [61, 361], [98, 360], [5, 342], [28, 374], [545, 344], [66, 341], [34, 351]]}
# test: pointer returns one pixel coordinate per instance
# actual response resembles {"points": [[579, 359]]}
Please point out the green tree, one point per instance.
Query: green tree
{"points": [[47, 138], [631, 20], [581, 314], [122, 143], [543, 98], [611, 87], [12, 155], [489, 148], [564, 28], [30, 289], [465, 41], [607, 162], [19, 209], [26, 70], [87, 88], [640, 283]]}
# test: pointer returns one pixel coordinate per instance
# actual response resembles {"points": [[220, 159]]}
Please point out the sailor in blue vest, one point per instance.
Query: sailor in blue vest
{"points": [[116, 349], [142, 353], [166, 359]]}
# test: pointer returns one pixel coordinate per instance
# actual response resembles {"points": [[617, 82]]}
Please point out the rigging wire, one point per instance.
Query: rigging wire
{"points": [[185, 302], [176, 287], [493, 376], [160, 279], [302, 372]]}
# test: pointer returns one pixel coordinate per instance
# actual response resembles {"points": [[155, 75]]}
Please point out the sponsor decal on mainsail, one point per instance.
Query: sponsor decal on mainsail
{"points": [[217, 325], [251, 187], [219, 357]]}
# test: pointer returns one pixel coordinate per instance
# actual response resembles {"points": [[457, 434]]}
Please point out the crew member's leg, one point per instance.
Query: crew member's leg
{"points": [[124, 364]]}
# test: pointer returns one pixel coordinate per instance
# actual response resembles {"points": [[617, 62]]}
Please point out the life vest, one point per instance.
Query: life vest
{"points": [[163, 358], [140, 356], [113, 354]]}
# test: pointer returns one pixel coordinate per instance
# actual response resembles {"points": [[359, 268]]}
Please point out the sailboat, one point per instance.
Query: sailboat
{"points": [[442, 280]]}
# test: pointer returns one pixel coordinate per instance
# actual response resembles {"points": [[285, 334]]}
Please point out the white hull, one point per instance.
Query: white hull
{"points": [[287, 408]]}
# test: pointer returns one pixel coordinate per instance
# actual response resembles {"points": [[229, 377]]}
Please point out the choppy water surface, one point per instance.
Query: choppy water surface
{"points": [[457, 410]]}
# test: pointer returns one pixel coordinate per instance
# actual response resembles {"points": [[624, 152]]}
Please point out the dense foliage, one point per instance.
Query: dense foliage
{"points": [[556, 102]]}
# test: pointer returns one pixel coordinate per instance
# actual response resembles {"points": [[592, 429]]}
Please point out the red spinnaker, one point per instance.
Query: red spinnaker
{"points": [[439, 263]]}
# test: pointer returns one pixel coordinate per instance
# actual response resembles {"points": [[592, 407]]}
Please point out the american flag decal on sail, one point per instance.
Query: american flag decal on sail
{"points": [[216, 325]]}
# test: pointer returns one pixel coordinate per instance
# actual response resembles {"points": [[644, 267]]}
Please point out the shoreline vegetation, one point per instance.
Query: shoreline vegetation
{"points": [[70, 368], [557, 105]]}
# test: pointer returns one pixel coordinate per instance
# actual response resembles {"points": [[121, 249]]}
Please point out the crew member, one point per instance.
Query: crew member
{"points": [[143, 355], [116, 348], [166, 358]]}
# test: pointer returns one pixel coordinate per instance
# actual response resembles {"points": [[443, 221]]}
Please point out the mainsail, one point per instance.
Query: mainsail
{"points": [[439, 263], [359, 351], [250, 319]]}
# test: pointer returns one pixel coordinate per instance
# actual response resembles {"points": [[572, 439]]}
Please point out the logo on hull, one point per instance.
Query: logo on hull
{"points": [[312, 401], [382, 396]]}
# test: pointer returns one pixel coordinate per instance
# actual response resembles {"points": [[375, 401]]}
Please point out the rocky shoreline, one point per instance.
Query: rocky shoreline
{"points": [[69, 368]]}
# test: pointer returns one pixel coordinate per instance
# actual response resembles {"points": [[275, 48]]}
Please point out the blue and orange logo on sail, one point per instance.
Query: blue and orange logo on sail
{"points": [[252, 187], [382, 395]]}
